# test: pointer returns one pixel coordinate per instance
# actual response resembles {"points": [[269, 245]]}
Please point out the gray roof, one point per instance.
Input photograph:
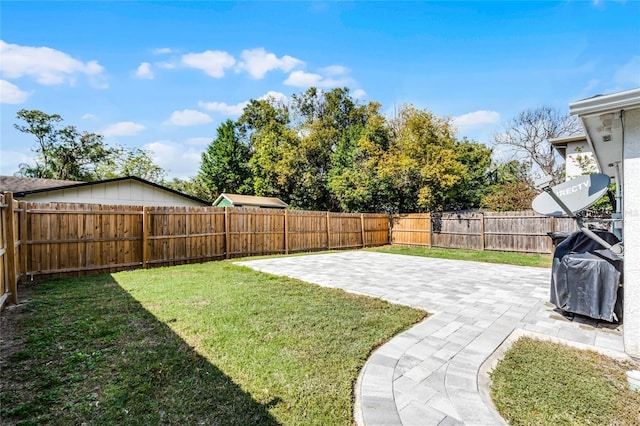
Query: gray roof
{"points": [[21, 184]]}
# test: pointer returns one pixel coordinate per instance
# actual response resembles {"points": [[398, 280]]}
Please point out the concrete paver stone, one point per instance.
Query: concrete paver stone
{"points": [[435, 372]]}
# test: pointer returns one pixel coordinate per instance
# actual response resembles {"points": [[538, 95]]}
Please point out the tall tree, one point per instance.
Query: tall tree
{"points": [[354, 176], [473, 185], [225, 163], [527, 137], [422, 165], [323, 120], [61, 153], [192, 186], [131, 162]]}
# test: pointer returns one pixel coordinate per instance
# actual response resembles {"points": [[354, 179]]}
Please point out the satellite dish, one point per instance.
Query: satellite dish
{"points": [[576, 194]]}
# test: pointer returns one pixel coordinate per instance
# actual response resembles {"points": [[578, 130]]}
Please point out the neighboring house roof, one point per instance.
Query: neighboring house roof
{"points": [[25, 186], [251, 201], [20, 184]]}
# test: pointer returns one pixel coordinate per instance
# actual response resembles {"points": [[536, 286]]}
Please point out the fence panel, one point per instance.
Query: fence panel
{"points": [[376, 229], [411, 229], [457, 230], [178, 235], [345, 230], [307, 231], [76, 239], [254, 232]]}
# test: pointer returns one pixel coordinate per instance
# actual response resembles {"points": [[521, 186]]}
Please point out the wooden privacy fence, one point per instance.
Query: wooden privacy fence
{"points": [[524, 231], [45, 240]]}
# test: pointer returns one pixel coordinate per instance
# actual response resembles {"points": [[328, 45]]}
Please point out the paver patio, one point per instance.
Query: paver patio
{"points": [[429, 374]]}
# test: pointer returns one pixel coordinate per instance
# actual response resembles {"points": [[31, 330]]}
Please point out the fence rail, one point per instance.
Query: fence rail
{"points": [[48, 240]]}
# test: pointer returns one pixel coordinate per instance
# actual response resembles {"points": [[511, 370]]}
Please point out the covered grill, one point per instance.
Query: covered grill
{"points": [[586, 279]]}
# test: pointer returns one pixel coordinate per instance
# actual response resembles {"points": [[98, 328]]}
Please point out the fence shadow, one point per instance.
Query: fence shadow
{"points": [[88, 352]]}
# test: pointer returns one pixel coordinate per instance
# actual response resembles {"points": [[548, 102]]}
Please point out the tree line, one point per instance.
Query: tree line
{"points": [[325, 150]]}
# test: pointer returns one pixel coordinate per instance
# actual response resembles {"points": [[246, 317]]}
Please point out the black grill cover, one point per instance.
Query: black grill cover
{"points": [[585, 282]]}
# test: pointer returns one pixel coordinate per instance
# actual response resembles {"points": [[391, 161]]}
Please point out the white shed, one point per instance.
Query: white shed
{"points": [[128, 191]]}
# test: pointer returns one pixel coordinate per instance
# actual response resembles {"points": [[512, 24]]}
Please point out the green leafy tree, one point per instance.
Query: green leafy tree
{"points": [[225, 163], [192, 186], [131, 162], [264, 125], [473, 185], [61, 153], [509, 187], [354, 177], [512, 196], [421, 165], [323, 120]]}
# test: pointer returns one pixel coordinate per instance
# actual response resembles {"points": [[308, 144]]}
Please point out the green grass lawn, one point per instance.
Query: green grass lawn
{"points": [[521, 259], [543, 383], [211, 343]]}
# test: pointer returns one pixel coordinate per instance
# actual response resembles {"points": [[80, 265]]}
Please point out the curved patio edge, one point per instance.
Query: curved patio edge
{"points": [[458, 390]]}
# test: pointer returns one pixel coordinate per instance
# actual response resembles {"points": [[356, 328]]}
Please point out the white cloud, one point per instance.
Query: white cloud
{"points": [[88, 116], [162, 51], [335, 70], [47, 66], [307, 79], [258, 62], [166, 65], [144, 71], [278, 97], [10, 161], [359, 94], [223, 107], [123, 128], [11, 94], [628, 75], [212, 62], [476, 119], [179, 160], [188, 117], [201, 141]]}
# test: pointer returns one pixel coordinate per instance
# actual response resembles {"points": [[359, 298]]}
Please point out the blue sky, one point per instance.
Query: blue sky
{"points": [[164, 75]]}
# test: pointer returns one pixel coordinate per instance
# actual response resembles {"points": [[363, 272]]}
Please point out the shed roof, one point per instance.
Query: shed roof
{"points": [[251, 200]]}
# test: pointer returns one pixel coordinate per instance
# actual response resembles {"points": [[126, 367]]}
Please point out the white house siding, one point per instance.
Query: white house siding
{"points": [[130, 193], [575, 151], [631, 170]]}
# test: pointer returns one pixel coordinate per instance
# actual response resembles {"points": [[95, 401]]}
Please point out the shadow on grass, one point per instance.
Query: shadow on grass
{"points": [[82, 350]]}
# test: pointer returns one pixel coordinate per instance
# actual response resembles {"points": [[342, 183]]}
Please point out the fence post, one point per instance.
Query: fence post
{"points": [[12, 285], [145, 236], [24, 236], [328, 233], [286, 232], [362, 228], [227, 241], [482, 231], [187, 225], [390, 227]]}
